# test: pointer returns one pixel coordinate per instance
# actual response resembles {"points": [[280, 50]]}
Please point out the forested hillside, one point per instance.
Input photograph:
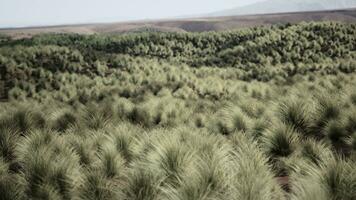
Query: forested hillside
{"points": [[259, 113]]}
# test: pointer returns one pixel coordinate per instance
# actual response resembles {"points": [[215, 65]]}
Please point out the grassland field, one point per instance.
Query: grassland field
{"points": [[258, 113]]}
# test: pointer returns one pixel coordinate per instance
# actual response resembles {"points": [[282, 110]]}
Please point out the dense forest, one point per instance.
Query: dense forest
{"points": [[249, 114]]}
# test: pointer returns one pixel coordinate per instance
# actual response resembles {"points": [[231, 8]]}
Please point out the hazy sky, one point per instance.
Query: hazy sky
{"points": [[49, 12]]}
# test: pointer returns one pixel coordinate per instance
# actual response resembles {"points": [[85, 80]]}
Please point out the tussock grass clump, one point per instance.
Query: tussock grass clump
{"points": [[169, 157], [208, 179], [315, 152], [309, 187], [65, 120], [8, 141], [50, 168], [232, 119], [10, 189], [295, 114], [353, 98], [124, 107], [253, 178], [124, 138], [258, 128], [24, 120], [95, 119], [340, 179], [281, 141], [350, 121], [253, 108], [111, 163], [333, 179], [164, 112], [142, 116], [142, 185], [327, 109], [352, 142], [96, 186], [200, 121], [337, 135]]}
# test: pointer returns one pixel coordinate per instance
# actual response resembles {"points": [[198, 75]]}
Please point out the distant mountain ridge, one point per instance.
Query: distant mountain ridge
{"points": [[189, 24], [284, 6]]}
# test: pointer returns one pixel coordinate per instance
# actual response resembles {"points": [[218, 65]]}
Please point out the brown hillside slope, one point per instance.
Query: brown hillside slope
{"points": [[191, 25]]}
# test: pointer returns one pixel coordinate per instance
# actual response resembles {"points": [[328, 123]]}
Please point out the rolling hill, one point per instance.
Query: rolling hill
{"points": [[189, 24], [282, 6]]}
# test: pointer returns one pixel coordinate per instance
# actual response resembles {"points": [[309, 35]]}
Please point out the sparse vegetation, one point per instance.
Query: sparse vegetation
{"points": [[260, 113]]}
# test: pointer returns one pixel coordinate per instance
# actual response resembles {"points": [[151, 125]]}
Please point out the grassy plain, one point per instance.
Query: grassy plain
{"points": [[259, 113]]}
